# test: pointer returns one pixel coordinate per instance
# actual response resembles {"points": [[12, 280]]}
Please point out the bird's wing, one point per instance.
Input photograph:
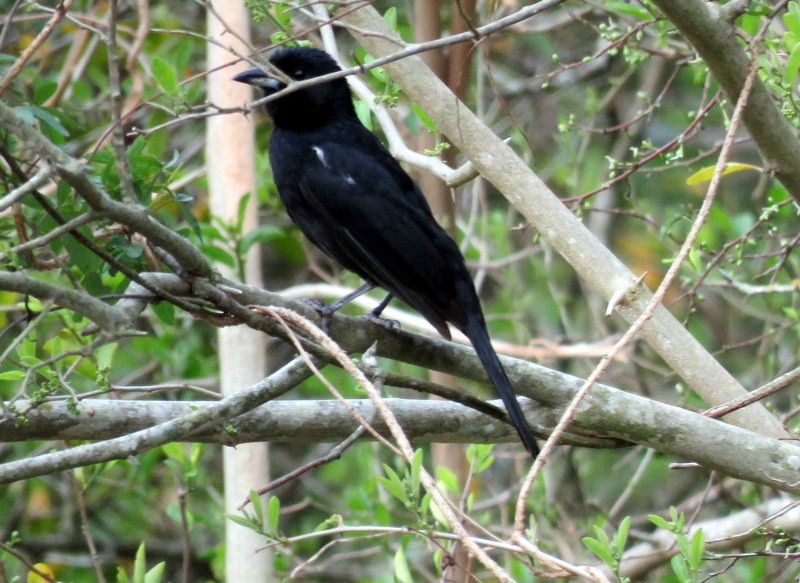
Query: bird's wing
{"points": [[379, 225]]}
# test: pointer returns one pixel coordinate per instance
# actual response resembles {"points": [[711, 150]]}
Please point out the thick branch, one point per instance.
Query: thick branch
{"points": [[177, 428], [106, 317], [715, 445], [134, 216], [593, 261]]}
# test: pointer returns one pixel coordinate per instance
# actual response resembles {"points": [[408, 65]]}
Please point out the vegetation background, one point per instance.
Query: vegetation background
{"points": [[612, 107]]}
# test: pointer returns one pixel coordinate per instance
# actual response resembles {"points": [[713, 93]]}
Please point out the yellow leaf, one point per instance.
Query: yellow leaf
{"points": [[34, 577], [705, 174]]}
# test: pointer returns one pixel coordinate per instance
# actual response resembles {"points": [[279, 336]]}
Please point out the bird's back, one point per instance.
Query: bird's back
{"points": [[353, 200]]}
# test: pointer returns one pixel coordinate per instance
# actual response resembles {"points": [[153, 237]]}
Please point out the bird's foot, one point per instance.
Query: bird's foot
{"points": [[325, 311], [387, 323], [315, 304]]}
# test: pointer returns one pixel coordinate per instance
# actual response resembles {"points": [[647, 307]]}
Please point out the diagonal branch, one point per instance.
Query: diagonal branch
{"points": [[107, 318], [134, 216], [707, 26], [591, 259]]}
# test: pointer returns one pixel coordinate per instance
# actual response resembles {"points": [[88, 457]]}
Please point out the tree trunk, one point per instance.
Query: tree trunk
{"points": [[230, 156]]}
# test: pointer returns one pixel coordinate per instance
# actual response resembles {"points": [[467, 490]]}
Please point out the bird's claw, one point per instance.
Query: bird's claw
{"points": [[315, 304], [387, 323], [325, 311]]}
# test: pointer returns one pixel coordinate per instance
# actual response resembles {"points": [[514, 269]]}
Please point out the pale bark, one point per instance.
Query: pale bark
{"points": [[230, 167], [602, 271]]}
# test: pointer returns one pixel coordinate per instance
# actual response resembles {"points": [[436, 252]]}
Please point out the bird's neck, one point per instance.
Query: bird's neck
{"points": [[316, 121]]}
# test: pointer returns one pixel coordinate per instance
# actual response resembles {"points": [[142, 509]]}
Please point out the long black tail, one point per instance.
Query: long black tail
{"points": [[477, 333]]}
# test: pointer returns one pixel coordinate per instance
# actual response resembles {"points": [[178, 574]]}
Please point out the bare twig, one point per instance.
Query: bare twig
{"points": [[80, 497], [444, 504], [760, 393], [58, 14], [115, 93], [655, 301], [35, 182]]}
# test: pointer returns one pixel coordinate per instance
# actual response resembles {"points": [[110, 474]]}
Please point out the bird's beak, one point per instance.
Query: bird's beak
{"points": [[259, 78]]}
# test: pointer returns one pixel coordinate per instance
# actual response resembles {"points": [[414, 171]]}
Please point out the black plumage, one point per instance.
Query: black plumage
{"points": [[352, 199]]}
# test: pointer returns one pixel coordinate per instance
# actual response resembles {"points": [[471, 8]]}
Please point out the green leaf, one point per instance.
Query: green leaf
{"points": [[447, 478], [165, 75], [697, 548], [273, 512], [439, 515], [390, 16], [258, 509], [380, 74], [794, 8], [416, 469], [30, 113], [394, 485], [792, 65], [792, 22], [241, 211], [479, 455], [402, 572], [364, 112], [629, 9], [696, 259], [175, 451], [242, 521], [258, 235], [165, 312], [705, 174], [44, 91], [156, 574], [659, 521], [678, 564], [424, 118], [330, 522], [598, 548], [678, 519], [139, 565], [622, 534], [219, 255], [122, 576], [12, 375]]}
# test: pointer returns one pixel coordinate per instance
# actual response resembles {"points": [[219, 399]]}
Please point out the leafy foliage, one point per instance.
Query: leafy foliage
{"points": [[609, 105]]}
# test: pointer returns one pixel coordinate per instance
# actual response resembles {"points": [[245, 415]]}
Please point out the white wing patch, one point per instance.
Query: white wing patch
{"points": [[321, 157]]}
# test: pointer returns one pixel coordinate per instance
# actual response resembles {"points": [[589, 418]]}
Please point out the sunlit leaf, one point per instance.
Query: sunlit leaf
{"points": [[165, 75], [705, 174], [402, 572]]}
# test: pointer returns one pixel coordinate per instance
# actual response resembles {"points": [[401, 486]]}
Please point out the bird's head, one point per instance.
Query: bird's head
{"points": [[311, 105]]}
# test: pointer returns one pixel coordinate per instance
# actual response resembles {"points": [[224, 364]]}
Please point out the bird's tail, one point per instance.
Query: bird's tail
{"points": [[478, 335]]}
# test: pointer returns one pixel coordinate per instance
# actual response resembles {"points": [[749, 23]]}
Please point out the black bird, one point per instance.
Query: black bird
{"points": [[352, 199]]}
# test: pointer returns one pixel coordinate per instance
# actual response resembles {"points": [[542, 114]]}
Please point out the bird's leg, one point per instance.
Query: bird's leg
{"points": [[375, 314], [326, 311], [339, 304]]}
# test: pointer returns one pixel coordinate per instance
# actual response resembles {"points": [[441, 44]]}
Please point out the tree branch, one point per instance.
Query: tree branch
{"points": [[714, 37], [594, 262], [134, 426], [106, 317], [721, 533], [176, 429], [133, 216]]}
